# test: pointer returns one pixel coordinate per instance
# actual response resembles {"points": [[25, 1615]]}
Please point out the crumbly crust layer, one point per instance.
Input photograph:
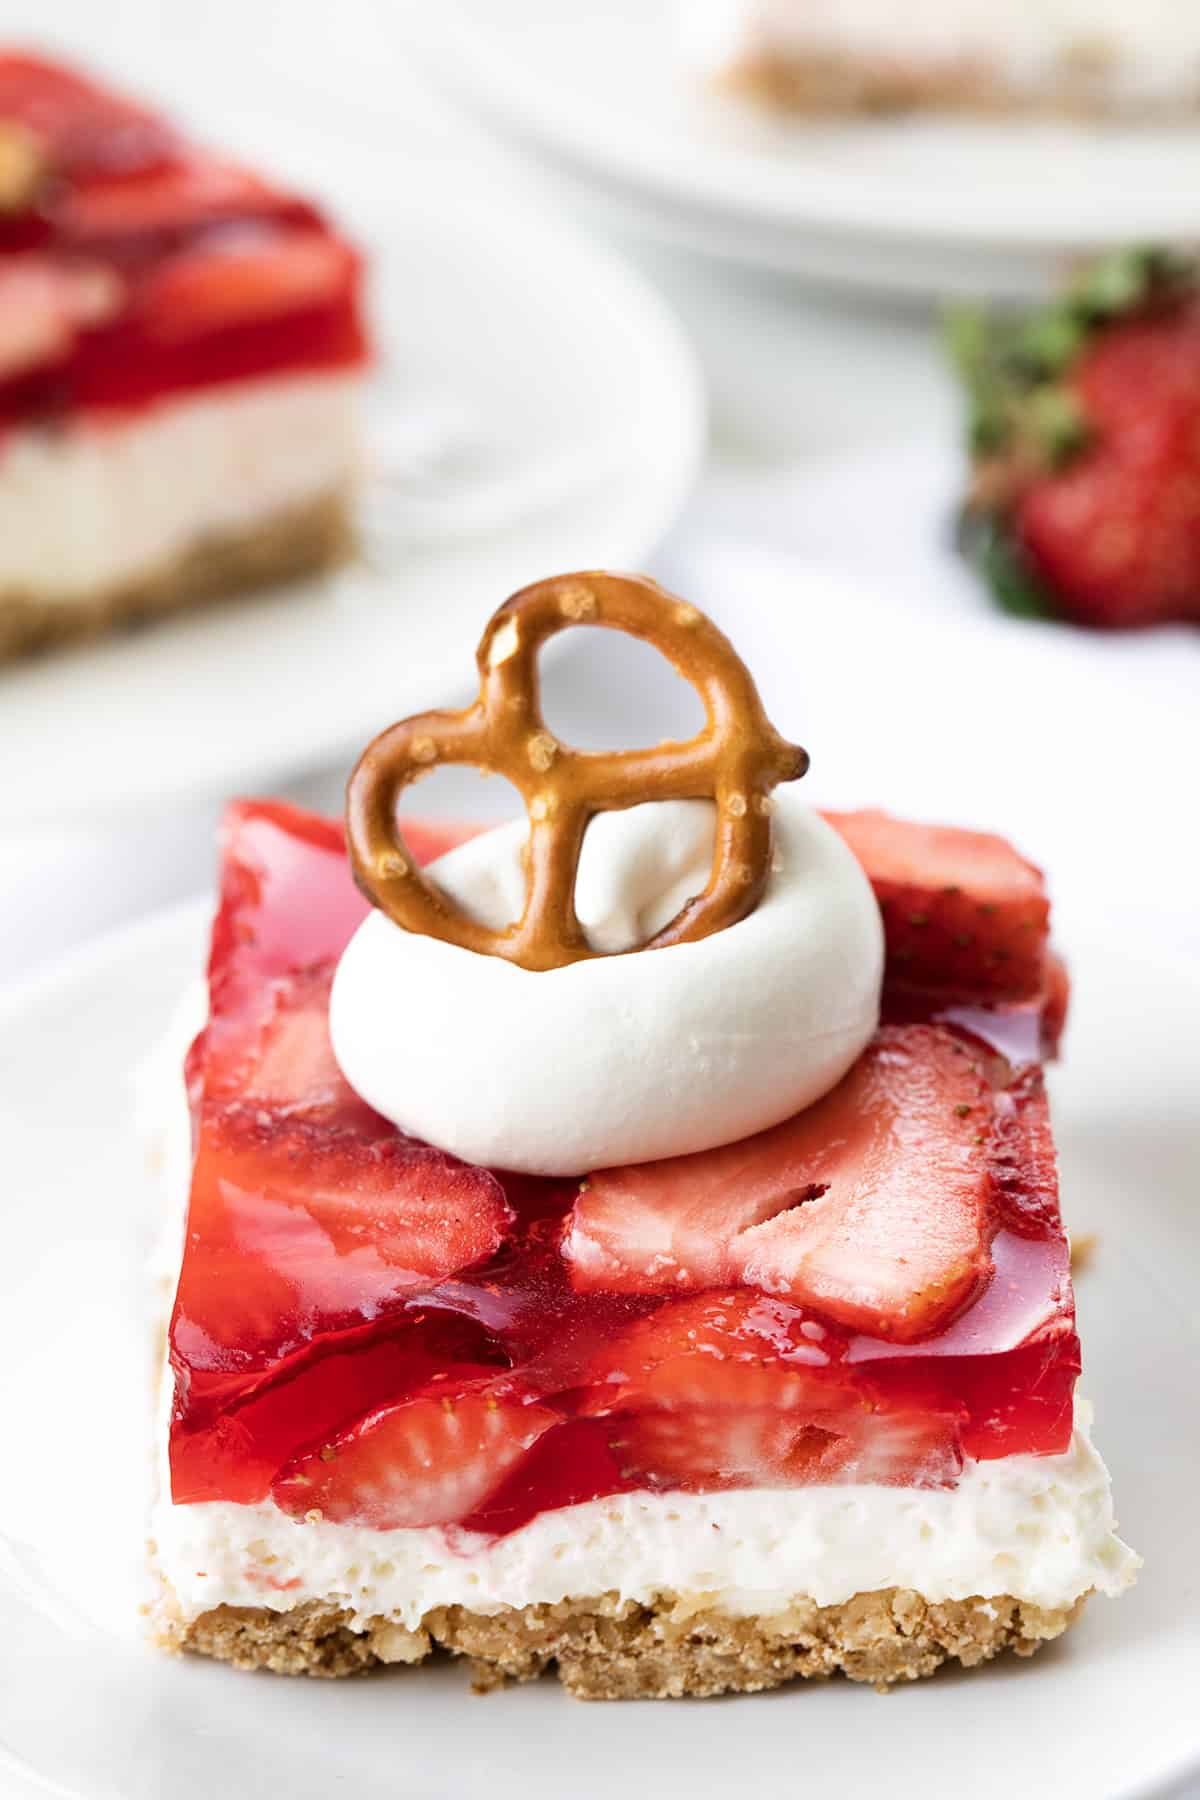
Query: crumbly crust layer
{"points": [[301, 540], [613, 1649], [832, 82]]}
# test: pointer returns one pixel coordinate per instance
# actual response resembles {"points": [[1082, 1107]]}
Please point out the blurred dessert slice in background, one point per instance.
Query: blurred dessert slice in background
{"points": [[1125, 58], [181, 345]]}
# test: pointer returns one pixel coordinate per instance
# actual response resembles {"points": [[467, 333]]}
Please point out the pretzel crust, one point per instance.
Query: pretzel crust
{"points": [[735, 760]]}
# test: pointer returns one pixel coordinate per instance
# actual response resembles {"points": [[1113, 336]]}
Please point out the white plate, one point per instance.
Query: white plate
{"points": [[87, 1710], [557, 358], [918, 204]]}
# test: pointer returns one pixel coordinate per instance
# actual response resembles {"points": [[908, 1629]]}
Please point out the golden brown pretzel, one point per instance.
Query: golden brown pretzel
{"points": [[735, 760], [24, 165]]}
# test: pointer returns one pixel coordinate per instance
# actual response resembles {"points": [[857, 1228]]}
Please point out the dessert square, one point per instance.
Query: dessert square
{"points": [[180, 350], [798, 1404], [874, 56]]}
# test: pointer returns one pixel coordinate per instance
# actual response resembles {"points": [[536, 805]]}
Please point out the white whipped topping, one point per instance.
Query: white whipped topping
{"points": [[1039, 1528], [625, 1058], [1137, 49], [143, 489]]}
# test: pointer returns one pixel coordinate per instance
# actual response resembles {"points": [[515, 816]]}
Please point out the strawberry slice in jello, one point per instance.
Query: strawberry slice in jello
{"points": [[372, 1331], [873, 1205], [161, 269], [732, 1389], [430, 1460], [963, 912]]}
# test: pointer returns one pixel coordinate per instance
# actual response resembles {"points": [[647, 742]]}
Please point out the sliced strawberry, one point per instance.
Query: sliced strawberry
{"points": [[900, 1240], [872, 1205], [663, 1227], [241, 277], [44, 304], [733, 1348], [426, 1461], [288, 909], [182, 192], [762, 1449], [287, 899], [295, 1228], [1023, 1160], [963, 913], [233, 1434], [284, 1064], [708, 1450], [220, 276], [727, 1390], [294, 1068], [287, 896]]}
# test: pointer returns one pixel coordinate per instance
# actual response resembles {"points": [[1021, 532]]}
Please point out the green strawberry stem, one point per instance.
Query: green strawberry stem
{"points": [[991, 550], [1016, 370]]}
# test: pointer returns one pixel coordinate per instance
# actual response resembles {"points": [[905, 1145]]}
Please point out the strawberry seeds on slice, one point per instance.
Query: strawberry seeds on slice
{"points": [[872, 1205], [899, 1240], [425, 1461], [964, 914]]}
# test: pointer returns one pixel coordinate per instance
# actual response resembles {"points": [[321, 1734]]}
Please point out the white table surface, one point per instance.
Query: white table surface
{"points": [[795, 378]]}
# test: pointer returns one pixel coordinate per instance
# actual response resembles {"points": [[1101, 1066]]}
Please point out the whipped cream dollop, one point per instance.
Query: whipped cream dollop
{"points": [[623, 1058]]}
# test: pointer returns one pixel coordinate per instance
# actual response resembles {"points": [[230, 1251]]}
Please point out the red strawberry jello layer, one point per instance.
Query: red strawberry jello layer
{"points": [[172, 329], [873, 1298], [883, 1281]]}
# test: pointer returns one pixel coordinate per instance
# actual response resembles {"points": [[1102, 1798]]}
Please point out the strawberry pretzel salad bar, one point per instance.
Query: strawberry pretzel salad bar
{"points": [[635, 1254], [181, 349], [1131, 60]]}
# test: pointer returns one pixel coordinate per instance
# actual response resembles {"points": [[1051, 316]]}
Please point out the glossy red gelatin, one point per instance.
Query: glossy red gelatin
{"points": [[137, 266], [368, 1329]]}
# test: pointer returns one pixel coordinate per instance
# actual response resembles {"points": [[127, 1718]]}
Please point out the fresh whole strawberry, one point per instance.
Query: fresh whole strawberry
{"points": [[1085, 441]]}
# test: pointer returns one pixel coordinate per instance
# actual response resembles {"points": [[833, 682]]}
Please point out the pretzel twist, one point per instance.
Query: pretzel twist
{"points": [[735, 760]]}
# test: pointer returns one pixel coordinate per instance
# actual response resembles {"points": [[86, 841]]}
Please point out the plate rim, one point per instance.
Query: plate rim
{"points": [[465, 63]]}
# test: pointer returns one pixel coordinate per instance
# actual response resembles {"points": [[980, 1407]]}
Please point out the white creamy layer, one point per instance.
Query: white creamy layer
{"points": [[1150, 49], [1038, 1528], [93, 503], [621, 1058]]}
